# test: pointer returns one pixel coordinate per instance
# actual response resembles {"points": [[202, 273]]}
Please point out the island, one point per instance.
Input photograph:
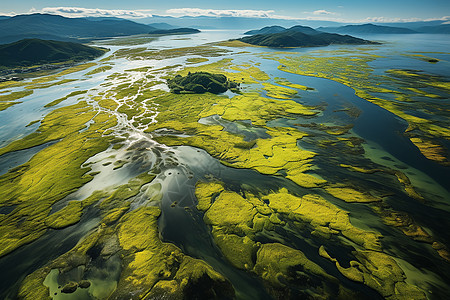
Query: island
{"points": [[301, 36], [201, 82]]}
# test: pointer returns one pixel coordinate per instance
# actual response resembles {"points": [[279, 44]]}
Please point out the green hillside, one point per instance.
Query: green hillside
{"points": [[266, 30], [59, 28], [42, 25], [294, 38], [29, 52]]}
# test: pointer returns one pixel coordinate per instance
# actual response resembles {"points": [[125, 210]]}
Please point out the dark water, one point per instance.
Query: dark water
{"points": [[14, 159], [182, 224], [30, 257], [374, 124]]}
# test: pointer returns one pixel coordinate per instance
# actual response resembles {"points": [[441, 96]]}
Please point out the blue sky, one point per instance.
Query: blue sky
{"points": [[339, 10]]}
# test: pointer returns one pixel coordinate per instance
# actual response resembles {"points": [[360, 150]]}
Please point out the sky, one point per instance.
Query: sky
{"points": [[334, 10]]}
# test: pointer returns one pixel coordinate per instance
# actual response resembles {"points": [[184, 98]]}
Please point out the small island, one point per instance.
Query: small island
{"points": [[300, 36], [201, 82]]}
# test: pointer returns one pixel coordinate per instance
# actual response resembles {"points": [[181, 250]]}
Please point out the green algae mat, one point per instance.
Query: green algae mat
{"points": [[319, 175]]}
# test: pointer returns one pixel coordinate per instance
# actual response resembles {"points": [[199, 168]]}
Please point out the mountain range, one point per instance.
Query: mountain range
{"points": [[239, 23], [444, 28], [367, 29], [54, 27], [299, 36], [363, 29]]}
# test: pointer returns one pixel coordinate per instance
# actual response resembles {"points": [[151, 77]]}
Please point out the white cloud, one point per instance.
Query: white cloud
{"points": [[320, 15], [399, 20], [10, 14], [77, 12], [195, 12], [322, 12]]}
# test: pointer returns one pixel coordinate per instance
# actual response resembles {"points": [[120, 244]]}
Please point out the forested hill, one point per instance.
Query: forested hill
{"points": [[30, 52]]}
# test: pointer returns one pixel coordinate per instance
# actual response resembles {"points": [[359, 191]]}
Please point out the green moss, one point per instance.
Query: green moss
{"points": [[319, 213], [268, 156], [406, 91], [99, 70], [293, 85], [50, 84], [32, 123], [119, 164], [380, 272], [196, 60], [240, 251], [33, 288], [9, 99], [283, 268], [350, 195], [278, 92], [431, 150], [230, 209], [400, 176], [149, 260], [144, 53], [126, 191], [54, 172], [6, 105], [234, 44], [108, 103], [57, 101], [274, 262], [333, 130], [206, 192], [245, 73], [67, 216], [236, 220], [15, 96]]}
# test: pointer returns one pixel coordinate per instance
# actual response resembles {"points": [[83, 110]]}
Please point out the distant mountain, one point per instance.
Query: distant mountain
{"points": [[266, 30], [367, 29], [413, 25], [294, 38], [30, 52], [4, 17], [237, 23], [44, 25], [444, 28], [101, 18], [278, 29], [175, 31], [162, 25]]}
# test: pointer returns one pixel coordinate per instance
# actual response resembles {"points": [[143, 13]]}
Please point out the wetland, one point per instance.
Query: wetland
{"points": [[324, 175]]}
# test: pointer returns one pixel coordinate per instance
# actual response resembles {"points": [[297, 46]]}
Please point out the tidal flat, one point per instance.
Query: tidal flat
{"points": [[324, 176]]}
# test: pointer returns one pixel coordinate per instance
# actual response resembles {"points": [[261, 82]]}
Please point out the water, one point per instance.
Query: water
{"points": [[179, 168]]}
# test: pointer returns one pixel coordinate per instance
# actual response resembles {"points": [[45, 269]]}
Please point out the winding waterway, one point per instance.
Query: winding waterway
{"points": [[177, 169]]}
